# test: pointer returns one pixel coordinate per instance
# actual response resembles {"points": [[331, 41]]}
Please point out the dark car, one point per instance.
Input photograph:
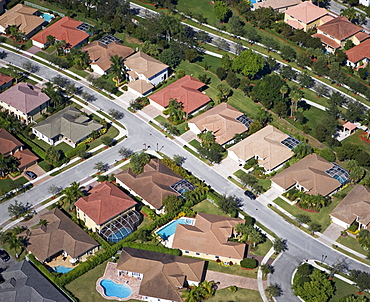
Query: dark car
{"points": [[250, 195], [30, 174], [4, 255]]}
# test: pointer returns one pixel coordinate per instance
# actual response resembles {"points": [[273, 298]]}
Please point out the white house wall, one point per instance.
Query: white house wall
{"points": [[158, 78], [194, 128], [339, 222], [38, 44], [42, 137], [96, 68], [276, 186]]}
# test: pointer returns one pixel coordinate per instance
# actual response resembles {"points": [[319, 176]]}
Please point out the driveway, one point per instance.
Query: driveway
{"points": [[227, 167], [226, 280]]}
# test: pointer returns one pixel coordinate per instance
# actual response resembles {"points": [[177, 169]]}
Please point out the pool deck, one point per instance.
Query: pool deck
{"points": [[111, 273], [58, 261]]}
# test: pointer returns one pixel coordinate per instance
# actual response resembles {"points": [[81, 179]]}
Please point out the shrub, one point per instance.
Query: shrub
{"points": [[249, 220], [249, 263], [72, 152], [51, 276]]}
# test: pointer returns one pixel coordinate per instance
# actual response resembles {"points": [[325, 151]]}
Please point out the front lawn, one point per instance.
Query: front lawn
{"points": [[242, 294], [233, 270], [63, 146], [7, 184], [352, 244], [81, 73], [181, 127], [112, 133], [263, 248], [344, 289], [207, 207], [265, 183]]}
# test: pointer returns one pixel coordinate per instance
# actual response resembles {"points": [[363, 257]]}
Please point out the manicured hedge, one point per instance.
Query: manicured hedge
{"points": [[153, 248], [72, 152], [248, 263], [36, 149]]}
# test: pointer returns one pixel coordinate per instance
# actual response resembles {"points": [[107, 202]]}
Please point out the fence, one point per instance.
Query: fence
{"points": [[43, 8]]}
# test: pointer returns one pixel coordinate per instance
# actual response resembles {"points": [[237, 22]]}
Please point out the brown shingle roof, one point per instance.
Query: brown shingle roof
{"points": [[140, 86], [24, 96], [359, 52], [210, 235], [184, 90], [153, 184], [100, 53], [60, 234], [355, 204], [221, 120], [64, 29], [309, 172], [340, 28], [8, 143], [164, 275], [105, 202], [276, 4], [306, 12], [266, 144], [23, 17]]}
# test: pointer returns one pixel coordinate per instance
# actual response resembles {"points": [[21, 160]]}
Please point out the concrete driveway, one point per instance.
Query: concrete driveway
{"points": [[227, 280]]}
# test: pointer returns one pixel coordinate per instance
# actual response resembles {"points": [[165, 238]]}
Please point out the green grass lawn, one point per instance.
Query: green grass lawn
{"points": [[43, 55], [352, 243], [265, 183], [344, 289], [207, 207], [233, 270], [181, 127], [81, 73], [7, 184], [195, 143], [63, 146], [112, 133], [242, 295], [263, 248], [196, 7], [45, 166], [356, 140]]}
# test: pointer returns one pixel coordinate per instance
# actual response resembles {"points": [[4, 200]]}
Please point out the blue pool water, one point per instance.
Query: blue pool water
{"points": [[119, 235], [47, 17], [112, 289], [170, 228], [62, 269], [253, 1]]}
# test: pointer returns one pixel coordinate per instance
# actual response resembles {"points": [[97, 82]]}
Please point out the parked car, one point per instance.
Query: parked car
{"points": [[4, 255], [30, 174], [250, 195]]}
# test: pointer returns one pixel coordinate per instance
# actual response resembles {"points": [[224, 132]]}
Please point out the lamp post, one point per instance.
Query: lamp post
{"points": [[323, 258]]}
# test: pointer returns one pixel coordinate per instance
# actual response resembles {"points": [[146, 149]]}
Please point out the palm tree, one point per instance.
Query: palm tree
{"points": [[349, 13], [117, 68], [175, 112], [61, 46], [295, 96], [284, 90], [255, 237], [207, 289], [71, 195], [191, 295], [15, 243], [14, 32], [50, 40], [366, 121], [207, 138]]}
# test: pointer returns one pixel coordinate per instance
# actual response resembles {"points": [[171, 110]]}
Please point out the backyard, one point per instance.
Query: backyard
{"points": [[242, 294]]}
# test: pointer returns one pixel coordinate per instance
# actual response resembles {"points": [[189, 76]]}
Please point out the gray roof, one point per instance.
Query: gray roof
{"points": [[70, 122], [23, 282]]}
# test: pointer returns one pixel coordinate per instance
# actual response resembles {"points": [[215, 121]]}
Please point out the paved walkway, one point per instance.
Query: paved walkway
{"points": [[332, 232], [227, 280]]}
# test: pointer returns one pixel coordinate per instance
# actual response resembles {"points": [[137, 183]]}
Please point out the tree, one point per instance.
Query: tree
{"points": [[314, 227], [270, 43], [255, 237], [248, 63], [107, 141], [178, 159], [30, 67], [224, 92], [280, 108], [232, 80], [229, 204], [101, 167], [265, 269], [363, 238], [221, 73], [284, 90], [236, 25], [279, 245], [220, 10], [16, 209], [273, 290], [191, 55], [125, 152], [303, 60], [71, 195], [327, 154], [175, 111], [15, 243], [172, 203], [303, 219], [50, 40], [287, 73], [366, 121], [191, 295], [138, 161], [302, 150], [248, 180], [349, 13], [287, 53], [321, 90], [362, 279], [116, 114], [117, 68], [305, 80]]}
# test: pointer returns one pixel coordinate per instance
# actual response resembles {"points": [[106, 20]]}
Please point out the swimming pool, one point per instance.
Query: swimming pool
{"points": [[47, 17], [112, 289], [62, 269], [170, 229], [119, 235]]}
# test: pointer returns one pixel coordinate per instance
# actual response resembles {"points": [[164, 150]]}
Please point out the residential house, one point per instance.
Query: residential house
{"points": [[5, 81], [306, 16], [140, 87], [153, 185], [100, 54], [359, 55], [163, 276], [335, 33], [108, 211], [209, 238], [280, 5], [364, 2], [312, 175], [271, 147], [60, 236], [67, 29], [24, 282], [187, 90], [25, 101], [27, 19], [10, 146], [2, 6], [355, 207], [69, 125], [224, 121]]}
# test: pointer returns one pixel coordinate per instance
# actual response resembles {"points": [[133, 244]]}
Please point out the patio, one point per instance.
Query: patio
{"points": [[61, 261]]}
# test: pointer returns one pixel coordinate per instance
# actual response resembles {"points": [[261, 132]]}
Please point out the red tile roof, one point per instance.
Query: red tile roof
{"points": [[340, 28], [26, 158], [359, 52], [5, 79], [64, 29], [349, 126], [8, 142], [326, 40], [361, 36], [294, 23], [105, 202], [306, 12], [184, 90]]}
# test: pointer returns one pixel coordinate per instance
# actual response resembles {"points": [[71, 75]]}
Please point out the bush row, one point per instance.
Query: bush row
{"points": [[72, 152]]}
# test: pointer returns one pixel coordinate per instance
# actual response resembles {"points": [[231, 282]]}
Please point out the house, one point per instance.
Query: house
{"points": [[26, 18], [108, 211], [335, 33], [187, 90], [100, 54], [359, 55], [5, 81], [60, 236], [209, 238], [224, 121], [306, 16], [163, 276], [280, 5], [312, 175], [271, 147], [141, 66], [67, 29], [355, 207], [140, 87], [364, 2], [24, 282], [69, 125], [25, 101], [2, 6], [10, 146], [153, 185]]}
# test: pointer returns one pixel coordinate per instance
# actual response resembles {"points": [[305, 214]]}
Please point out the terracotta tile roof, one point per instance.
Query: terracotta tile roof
{"points": [[309, 172], [266, 144], [355, 205], [210, 235], [153, 184], [64, 29], [326, 40], [340, 28], [140, 86], [276, 4], [359, 52], [144, 64], [361, 36], [100, 53], [105, 202], [294, 23], [326, 18], [23, 17], [8, 143], [164, 276], [4, 79], [24, 96], [60, 234], [26, 158], [221, 120], [306, 12], [350, 126], [184, 90]]}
